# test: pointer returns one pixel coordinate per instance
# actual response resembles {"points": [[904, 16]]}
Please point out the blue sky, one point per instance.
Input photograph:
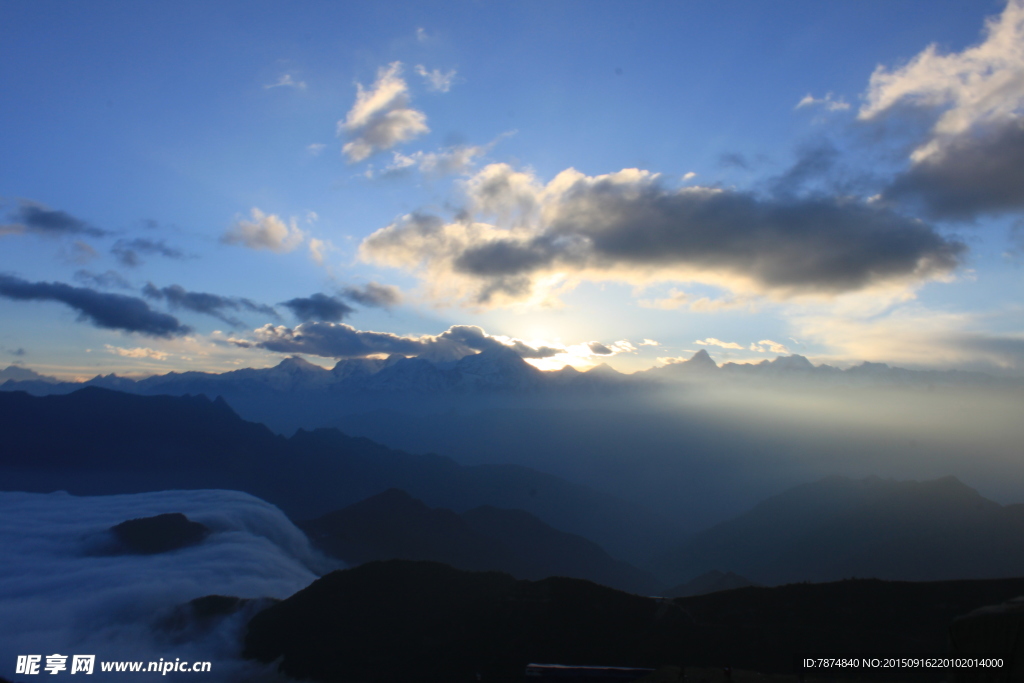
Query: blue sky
{"points": [[216, 185]]}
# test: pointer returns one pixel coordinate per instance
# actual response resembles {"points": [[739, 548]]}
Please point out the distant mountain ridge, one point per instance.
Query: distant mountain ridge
{"points": [[298, 394], [394, 525], [97, 441], [499, 370], [839, 528]]}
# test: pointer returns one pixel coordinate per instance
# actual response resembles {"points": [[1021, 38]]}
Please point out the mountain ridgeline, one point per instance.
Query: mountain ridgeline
{"points": [[298, 394], [97, 442]]}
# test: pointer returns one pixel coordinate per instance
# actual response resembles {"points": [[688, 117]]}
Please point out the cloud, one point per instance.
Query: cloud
{"points": [[79, 253], [649, 342], [316, 250], [381, 116], [315, 148], [767, 345], [711, 341], [138, 352], [973, 174], [318, 307], [374, 295], [107, 280], [826, 102], [111, 311], [127, 251], [55, 594], [599, 349], [970, 160], [519, 241], [35, 218], [451, 161], [286, 81], [437, 80], [674, 300], [338, 340], [214, 305], [265, 232]]}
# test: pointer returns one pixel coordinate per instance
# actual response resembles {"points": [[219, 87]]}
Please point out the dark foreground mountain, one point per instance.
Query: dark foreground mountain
{"points": [[400, 621], [839, 527], [96, 442], [423, 621], [394, 525]]}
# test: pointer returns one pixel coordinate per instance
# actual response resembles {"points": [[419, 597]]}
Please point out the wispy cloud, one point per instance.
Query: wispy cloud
{"points": [[825, 102], [381, 116], [437, 80], [286, 81], [35, 218]]}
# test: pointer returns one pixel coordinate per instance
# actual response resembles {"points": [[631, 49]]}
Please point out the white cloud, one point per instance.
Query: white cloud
{"points": [[316, 148], [437, 80], [649, 342], [265, 232], [711, 341], [381, 116], [316, 251], [138, 352], [450, 161], [769, 346], [690, 175], [982, 85], [286, 81], [827, 102]]}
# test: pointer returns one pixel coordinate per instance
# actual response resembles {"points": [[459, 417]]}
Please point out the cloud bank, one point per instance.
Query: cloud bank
{"points": [[520, 241], [111, 311], [319, 307], [970, 162], [60, 594]]}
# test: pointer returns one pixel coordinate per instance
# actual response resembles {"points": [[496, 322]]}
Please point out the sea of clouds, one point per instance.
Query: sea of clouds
{"points": [[63, 591]]}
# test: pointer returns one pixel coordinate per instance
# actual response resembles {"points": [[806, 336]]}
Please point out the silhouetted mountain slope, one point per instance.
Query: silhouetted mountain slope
{"points": [[394, 525], [96, 441], [709, 582], [397, 620], [840, 527], [422, 621]]}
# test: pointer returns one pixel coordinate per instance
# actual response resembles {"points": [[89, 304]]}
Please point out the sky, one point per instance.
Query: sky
{"points": [[207, 186]]}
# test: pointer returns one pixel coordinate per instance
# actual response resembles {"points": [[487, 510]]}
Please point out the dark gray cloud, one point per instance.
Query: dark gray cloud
{"points": [[814, 163], [733, 160], [35, 218], [974, 174], [17, 352], [127, 251], [629, 227], [797, 245], [338, 340], [111, 311], [600, 349], [374, 295], [108, 280], [214, 305], [318, 307]]}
